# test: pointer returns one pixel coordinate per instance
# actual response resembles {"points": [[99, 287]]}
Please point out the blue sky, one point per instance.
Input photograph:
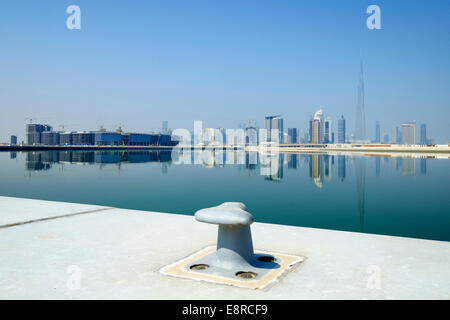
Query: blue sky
{"points": [[223, 62]]}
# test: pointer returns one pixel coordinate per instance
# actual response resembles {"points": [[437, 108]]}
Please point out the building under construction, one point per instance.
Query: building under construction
{"points": [[39, 134]]}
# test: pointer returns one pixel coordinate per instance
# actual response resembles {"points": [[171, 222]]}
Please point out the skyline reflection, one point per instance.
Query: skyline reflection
{"points": [[321, 166]]}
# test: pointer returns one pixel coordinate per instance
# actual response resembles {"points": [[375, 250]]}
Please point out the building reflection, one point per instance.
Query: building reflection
{"points": [[36, 161], [272, 166], [409, 166], [292, 160], [423, 166], [341, 167], [360, 173], [320, 166], [316, 171], [377, 166]]}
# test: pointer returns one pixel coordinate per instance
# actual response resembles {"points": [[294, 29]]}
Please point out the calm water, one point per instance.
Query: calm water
{"points": [[402, 196]]}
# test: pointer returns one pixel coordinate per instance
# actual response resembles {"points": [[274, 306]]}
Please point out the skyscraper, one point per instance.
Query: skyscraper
{"points": [[327, 131], [318, 127], [423, 134], [292, 134], [396, 135], [251, 136], [341, 130], [13, 140], [360, 125], [310, 130], [274, 123], [377, 132], [408, 133]]}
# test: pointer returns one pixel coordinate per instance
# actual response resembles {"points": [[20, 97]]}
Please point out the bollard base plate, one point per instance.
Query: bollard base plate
{"points": [[198, 266]]}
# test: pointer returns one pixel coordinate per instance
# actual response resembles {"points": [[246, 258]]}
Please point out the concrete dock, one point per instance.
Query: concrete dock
{"points": [[56, 250]]}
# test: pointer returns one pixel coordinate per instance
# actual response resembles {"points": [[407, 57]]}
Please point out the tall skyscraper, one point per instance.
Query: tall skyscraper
{"points": [[408, 133], [377, 132], [318, 127], [292, 134], [360, 125], [274, 123], [310, 130], [341, 130], [396, 135], [423, 134], [327, 131]]}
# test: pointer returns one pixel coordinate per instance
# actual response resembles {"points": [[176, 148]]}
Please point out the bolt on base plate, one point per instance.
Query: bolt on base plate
{"points": [[197, 267]]}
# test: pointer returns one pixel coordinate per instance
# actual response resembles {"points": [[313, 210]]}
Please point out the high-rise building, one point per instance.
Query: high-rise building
{"points": [[423, 134], [274, 123], [83, 138], [165, 127], [396, 135], [341, 130], [360, 125], [251, 136], [377, 132], [33, 132], [408, 133], [50, 138], [292, 134], [327, 131], [318, 127], [65, 138], [310, 130], [13, 140], [386, 139]]}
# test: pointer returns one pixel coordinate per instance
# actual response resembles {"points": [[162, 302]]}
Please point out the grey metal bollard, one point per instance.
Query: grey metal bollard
{"points": [[234, 239]]}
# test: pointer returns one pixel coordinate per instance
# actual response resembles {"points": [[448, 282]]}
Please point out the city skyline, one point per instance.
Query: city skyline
{"points": [[321, 131], [217, 62]]}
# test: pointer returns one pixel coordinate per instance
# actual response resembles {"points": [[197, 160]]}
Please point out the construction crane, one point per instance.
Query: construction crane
{"points": [[119, 127], [35, 118], [31, 119], [64, 125]]}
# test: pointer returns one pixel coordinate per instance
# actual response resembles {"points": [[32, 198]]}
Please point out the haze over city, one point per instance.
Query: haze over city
{"points": [[224, 63]]}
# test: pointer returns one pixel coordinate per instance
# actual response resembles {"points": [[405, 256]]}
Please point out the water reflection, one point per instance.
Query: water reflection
{"points": [[371, 193], [37, 161], [360, 173], [321, 166]]}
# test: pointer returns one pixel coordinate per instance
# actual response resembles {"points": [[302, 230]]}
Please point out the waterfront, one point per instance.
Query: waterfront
{"points": [[401, 196]]}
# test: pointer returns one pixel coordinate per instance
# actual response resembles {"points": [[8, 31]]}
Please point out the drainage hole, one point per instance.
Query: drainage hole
{"points": [[266, 259], [199, 267], [246, 274]]}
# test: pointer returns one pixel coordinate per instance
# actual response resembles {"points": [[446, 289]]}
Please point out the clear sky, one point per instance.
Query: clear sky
{"points": [[224, 62]]}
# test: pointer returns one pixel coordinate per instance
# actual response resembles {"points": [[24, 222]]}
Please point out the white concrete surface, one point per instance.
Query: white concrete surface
{"points": [[19, 210], [117, 254]]}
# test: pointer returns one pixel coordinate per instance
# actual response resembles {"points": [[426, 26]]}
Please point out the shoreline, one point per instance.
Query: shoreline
{"points": [[376, 149]]}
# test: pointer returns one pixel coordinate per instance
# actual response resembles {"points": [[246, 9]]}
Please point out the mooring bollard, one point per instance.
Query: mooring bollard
{"points": [[233, 261], [234, 239]]}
